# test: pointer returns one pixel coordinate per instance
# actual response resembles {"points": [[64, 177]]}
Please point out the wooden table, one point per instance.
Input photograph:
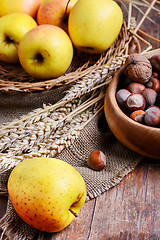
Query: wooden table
{"points": [[128, 211]]}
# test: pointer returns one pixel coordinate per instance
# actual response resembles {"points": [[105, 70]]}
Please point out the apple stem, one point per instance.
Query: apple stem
{"points": [[74, 213], [65, 14]]}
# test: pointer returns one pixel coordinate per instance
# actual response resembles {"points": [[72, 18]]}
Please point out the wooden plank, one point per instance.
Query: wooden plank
{"points": [[131, 209]]}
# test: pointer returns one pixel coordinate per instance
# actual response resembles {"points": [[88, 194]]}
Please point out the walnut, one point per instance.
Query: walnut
{"points": [[138, 68]]}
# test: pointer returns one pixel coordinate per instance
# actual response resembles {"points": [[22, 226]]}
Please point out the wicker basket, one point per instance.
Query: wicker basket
{"points": [[14, 78]]}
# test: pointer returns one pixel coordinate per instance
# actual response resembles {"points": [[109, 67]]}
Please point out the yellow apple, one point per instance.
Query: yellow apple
{"points": [[29, 7], [13, 27], [45, 52], [55, 12], [45, 193], [94, 24]]}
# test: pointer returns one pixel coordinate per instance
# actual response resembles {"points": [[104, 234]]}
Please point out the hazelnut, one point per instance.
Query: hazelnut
{"points": [[96, 160], [138, 116], [121, 97], [150, 96], [155, 74], [154, 83], [135, 101], [136, 87], [155, 61], [152, 116], [138, 68]]}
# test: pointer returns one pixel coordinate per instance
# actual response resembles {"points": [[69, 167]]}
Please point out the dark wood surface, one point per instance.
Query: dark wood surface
{"points": [[128, 211]]}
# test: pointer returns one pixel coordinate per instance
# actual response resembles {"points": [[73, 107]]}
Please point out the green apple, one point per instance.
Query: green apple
{"points": [[45, 52], [13, 27], [55, 12], [29, 7], [94, 25], [46, 193]]}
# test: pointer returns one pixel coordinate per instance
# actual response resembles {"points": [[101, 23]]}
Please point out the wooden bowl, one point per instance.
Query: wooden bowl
{"points": [[140, 138]]}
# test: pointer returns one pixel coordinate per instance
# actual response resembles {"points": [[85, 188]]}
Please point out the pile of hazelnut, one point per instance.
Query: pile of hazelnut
{"points": [[140, 98]]}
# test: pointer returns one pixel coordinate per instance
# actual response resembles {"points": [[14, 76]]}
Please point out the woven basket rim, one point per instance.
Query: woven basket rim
{"points": [[13, 78]]}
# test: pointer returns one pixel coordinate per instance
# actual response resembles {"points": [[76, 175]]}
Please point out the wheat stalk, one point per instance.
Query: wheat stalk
{"points": [[83, 86], [49, 139], [34, 129], [143, 3], [62, 138]]}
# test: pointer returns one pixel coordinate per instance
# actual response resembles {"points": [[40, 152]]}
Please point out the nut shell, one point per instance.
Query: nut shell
{"points": [[138, 68], [152, 116], [136, 87], [155, 61], [135, 101], [138, 116], [97, 160], [150, 96], [122, 96], [154, 83]]}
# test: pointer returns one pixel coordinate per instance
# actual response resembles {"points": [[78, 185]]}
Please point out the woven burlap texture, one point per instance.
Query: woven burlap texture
{"points": [[96, 135]]}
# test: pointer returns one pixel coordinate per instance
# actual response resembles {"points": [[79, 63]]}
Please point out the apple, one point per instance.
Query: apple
{"points": [[29, 7], [13, 27], [94, 25], [45, 52], [55, 12], [47, 193]]}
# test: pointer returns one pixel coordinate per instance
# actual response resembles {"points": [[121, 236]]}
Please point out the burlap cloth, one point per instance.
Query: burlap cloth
{"points": [[96, 135]]}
